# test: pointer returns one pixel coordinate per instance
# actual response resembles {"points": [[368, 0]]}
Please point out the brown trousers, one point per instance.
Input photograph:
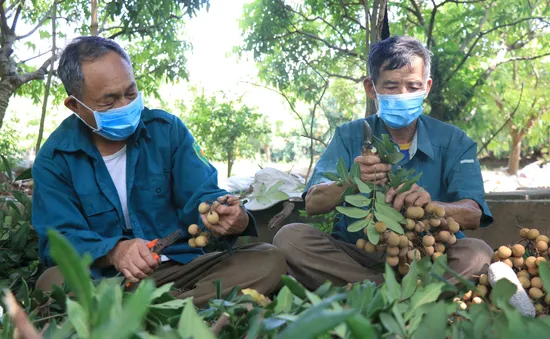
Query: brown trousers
{"points": [[256, 266], [314, 257]]}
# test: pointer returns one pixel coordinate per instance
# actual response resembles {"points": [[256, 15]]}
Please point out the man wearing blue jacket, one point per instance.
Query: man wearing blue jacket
{"points": [[399, 80], [116, 175]]}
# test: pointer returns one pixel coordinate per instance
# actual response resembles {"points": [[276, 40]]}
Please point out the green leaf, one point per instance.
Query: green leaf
{"points": [[277, 196], [160, 291], [407, 186], [192, 326], [348, 191], [358, 225], [434, 325], [409, 283], [374, 237], [395, 158], [358, 200], [25, 175], [19, 240], [501, 293], [313, 298], [78, 318], [544, 274], [391, 223], [389, 322], [294, 286], [363, 187], [342, 170], [255, 318], [331, 176], [75, 272], [355, 173], [390, 212], [424, 296], [7, 167], [352, 212], [380, 197], [361, 327], [284, 301], [392, 287]]}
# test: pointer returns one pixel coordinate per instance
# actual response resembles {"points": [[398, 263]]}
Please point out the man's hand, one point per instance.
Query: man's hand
{"points": [[416, 196], [233, 218], [373, 170], [133, 259]]}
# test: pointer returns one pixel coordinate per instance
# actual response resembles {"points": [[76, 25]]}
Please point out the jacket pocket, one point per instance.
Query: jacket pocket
{"points": [[101, 215]]}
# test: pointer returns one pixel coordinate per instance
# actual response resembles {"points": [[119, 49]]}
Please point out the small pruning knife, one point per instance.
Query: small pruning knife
{"points": [[368, 146], [158, 245]]}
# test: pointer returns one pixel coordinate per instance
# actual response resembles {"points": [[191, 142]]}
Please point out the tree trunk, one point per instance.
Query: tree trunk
{"points": [[268, 153], [515, 151], [229, 166], [48, 82], [5, 94], [94, 25]]}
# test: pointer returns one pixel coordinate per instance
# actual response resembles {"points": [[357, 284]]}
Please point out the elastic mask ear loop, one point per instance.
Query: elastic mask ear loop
{"points": [[79, 117], [376, 104]]}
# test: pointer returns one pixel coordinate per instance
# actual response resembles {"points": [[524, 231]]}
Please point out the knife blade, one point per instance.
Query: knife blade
{"points": [[368, 147]]}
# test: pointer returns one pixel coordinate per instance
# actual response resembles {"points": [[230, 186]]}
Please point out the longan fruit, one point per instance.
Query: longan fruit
{"points": [[410, 235], [403, 269], [533, 270], [394, 239], [414, 254], [481, 291], [477, 300], [524, 273], [539, 260], [403, 252], [212, 217], [539, 308], [380, 227], [439, 247], [444, 236], [204, 208], [444, 224], [518, 262], [547, 299], [542, 246], [535, 293], [380, 247], [201, 241], [452, 240], [392, 261], [403, 241], [361, 243], [414, 212], [430, 250], [518, 250], [525, 282], [531, 262], [495, 257], [462, 305], [484, 280], [410, 224], [435, 222], [436, 255], [533, 234], [370, 248], [392, 251], [457, 300], [536, 282], [428, 240], [523, 232], [439, 211], [542, 238], [192, 243], [454, 227], [419, 228], [467, 295], [410, 245], [193, 229], [430, 208], [504, 252], [508, 262]]}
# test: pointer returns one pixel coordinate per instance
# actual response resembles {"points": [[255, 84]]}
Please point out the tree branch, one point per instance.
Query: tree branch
{"points": [[326, 43], [523, 58], [432, 24], [418, 14], [470, 36], [16, 17], [3, 21], [314, 138], [34, 57], [346, 77], [36, 75], [40, 24]]}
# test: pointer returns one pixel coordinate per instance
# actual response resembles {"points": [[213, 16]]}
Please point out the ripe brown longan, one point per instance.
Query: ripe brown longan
{"points": [[467, 295], [444, 236], [523, 232], [428, 240], [484, 280], [392, 251], [403, 269], [525, 282], [518, 262], [414, 254], [508, 262], [535, 293], [536, 282], [454, 227], [547, 298], [380, 227], [518, 250], [410, 235], [392, 261], [436, 255], [435, 222], [439, 211], [481, 291], [542, 246], [477, 300], [533, 234], [439, 247], [452, 240], [201, 241], [419, 228], [193, 229], [539, 260], [430, 250], [204, 208], [394, 239], [403, 252], [370, 248], [542, 238], [414, 212], [410, 224], [539, 308], [361, 243], [212, 217], [523, 273], [403, 241], [504, 252], [531, 262], [430, 208], [533, 270], [192, 243]]}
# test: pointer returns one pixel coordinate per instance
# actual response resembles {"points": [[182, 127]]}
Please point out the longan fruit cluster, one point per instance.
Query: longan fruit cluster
{"points": [[426, 233], [476, 296], [199, 238]]}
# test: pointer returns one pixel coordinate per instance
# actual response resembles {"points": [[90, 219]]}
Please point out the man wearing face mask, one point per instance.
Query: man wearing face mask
{"points": [[399, 81], [116, 175]]}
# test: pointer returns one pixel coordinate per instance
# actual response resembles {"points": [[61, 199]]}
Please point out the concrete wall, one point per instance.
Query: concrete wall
{"points": [[510, 210]]}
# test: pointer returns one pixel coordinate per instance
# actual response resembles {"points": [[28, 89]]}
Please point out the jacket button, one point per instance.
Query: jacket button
{"points": [[158, 190]]}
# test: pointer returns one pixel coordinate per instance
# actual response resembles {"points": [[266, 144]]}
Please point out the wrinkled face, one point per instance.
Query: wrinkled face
{"points": [[407, 79], [108, 83]]}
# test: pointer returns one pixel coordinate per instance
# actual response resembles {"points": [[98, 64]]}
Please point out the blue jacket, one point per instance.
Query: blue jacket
{"points": [[167, 179], [443, 153]]}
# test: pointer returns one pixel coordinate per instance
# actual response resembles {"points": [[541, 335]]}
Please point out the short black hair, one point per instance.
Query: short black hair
{"points": [[79, 50], [397, 52]]}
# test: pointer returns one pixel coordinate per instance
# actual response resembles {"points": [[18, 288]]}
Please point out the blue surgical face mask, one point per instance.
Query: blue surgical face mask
{"points": [[118, 123], [400, 110]]}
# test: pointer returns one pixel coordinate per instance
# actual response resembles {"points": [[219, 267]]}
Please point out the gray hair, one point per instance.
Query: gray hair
{"points": [[84, 49], [396, 52]]}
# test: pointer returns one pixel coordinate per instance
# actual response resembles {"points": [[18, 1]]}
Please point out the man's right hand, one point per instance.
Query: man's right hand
{"points": [[133, 259], [372, 169]]}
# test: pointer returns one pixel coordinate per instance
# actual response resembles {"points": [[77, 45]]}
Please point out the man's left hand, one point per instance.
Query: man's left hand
{"points": [[416, 196], [233, 218]]}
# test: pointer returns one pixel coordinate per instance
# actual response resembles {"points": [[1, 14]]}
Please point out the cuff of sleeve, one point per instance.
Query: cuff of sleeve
{"points": [[486, 216], [99, 250]]}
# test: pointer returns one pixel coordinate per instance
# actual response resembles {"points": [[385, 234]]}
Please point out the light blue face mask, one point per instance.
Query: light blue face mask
{"points": [[400, 110], [118, 123]]}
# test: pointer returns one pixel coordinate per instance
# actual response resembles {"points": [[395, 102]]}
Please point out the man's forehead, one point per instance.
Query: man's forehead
{"points": [[107, 74], [411, 72]]}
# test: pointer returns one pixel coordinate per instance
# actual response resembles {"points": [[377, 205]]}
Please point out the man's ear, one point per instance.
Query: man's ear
{"points": [[71, 104], [428, 86], [369, 88]]}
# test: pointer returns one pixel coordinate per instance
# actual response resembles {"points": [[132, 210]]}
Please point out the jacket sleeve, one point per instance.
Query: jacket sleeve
{"points": [[195, 180], [56, 206]]}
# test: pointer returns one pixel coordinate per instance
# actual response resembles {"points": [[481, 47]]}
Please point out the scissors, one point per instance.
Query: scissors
{"points": [[368, 145]]}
